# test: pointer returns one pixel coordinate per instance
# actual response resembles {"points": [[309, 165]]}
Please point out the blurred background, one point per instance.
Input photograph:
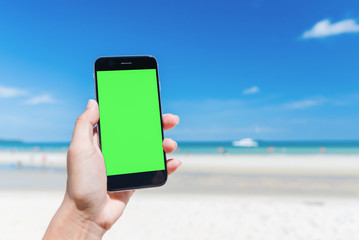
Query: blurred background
{"points": [[267, 93]]}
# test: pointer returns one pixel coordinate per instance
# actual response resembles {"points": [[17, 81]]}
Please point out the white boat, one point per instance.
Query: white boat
{"points": [[245, 142]]}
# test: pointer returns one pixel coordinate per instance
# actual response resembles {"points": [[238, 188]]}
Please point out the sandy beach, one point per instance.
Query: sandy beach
{"points": [[210, 197]]}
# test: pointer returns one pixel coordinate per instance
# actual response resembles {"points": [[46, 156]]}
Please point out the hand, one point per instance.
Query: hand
{"points": [[88, 210]]}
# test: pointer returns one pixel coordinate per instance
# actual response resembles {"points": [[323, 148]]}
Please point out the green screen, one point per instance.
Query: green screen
{"points": [[130, 123]]}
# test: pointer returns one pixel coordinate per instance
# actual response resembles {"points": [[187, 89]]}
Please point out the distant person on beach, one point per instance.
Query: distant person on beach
{"points": [[88, 210]]}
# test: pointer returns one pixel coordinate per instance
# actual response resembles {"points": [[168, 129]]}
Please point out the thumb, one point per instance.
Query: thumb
{"points": [[84, 124]]}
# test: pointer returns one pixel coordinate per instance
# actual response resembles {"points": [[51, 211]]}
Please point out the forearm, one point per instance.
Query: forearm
{"points": [[69, 224]]}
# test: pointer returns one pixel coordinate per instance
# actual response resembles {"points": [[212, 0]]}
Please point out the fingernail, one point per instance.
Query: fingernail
{"points": [[178, 119], [90, 104]]}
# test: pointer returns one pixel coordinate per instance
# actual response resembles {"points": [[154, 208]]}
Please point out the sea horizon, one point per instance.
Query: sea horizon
{"points": [[215, 147]]}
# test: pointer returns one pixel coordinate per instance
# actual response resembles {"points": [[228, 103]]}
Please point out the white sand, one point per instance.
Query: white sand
{"points": [[271, 163], [233, 217], [25, 215], [51, 159], [178, 211]]}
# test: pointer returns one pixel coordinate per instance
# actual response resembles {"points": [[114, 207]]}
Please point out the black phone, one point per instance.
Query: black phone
{"points": [[130, 126]]}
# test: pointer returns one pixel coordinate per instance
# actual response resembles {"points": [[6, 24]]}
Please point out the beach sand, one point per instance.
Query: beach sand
{"points": [[210, 197]]}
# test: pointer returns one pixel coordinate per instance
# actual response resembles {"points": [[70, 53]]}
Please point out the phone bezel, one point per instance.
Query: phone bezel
{"points": [[133, 180]]}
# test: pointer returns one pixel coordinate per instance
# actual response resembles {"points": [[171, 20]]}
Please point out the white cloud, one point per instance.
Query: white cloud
{"points": [[251, 90], [306, 103], [9, 92], [325, 28], [45, 98]]}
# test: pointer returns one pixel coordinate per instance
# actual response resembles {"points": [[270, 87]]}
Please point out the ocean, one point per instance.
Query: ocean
{"points": [[214, 147]]}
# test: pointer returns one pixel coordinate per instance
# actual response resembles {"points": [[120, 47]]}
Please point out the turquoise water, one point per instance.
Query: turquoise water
{"points": [[264, 147], [272, 147]]}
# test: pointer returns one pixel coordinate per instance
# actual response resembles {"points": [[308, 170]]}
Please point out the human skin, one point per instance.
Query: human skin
{"points": [[88, 210]]}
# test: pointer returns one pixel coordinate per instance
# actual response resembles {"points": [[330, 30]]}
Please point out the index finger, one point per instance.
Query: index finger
{"points": [[169, 121]]}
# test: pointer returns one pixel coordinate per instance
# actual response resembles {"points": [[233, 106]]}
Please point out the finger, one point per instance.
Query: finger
{"points": [[96, 139], [115, 208], [169, 145], [169, 121], [123, 196], [172, 165], [84, 124]]}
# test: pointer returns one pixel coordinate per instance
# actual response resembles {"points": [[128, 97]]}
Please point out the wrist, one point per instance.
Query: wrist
{"points": [[70, 223]]}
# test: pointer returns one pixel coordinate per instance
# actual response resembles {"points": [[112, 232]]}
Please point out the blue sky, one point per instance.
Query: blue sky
{"points": [[271, 70]]}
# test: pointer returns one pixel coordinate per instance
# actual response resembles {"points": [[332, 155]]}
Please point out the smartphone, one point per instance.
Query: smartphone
{"points": [[130, 126]]}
